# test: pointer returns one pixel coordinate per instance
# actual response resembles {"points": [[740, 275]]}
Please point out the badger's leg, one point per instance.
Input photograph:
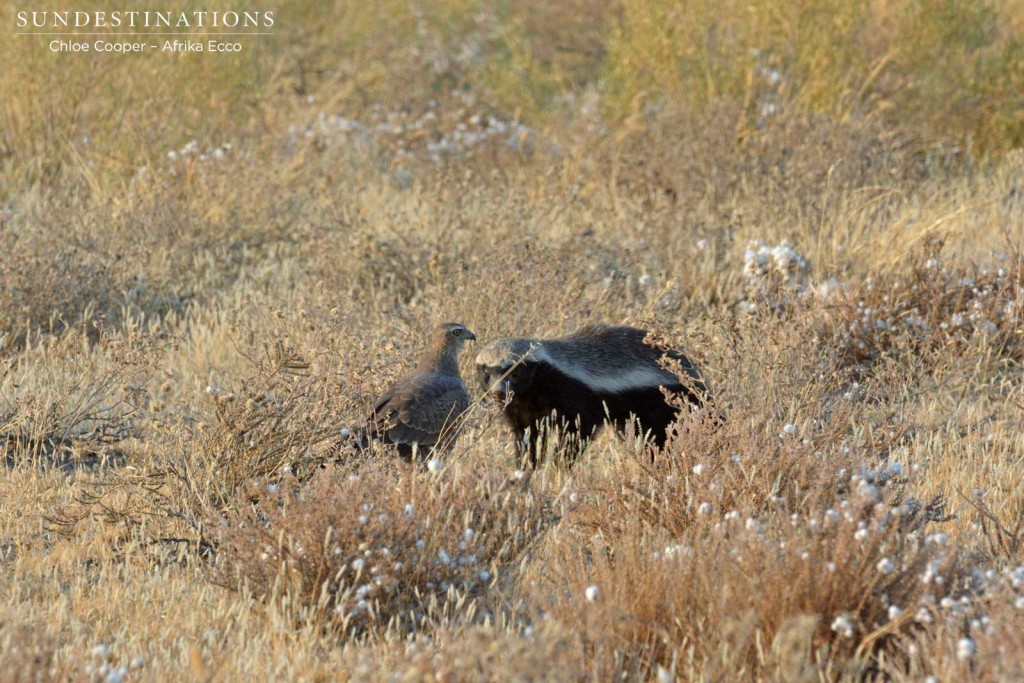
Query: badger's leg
{"points": [[542, 435], [574, 436], [543, 430], [647, 410], [526, 443], [535, 445]]}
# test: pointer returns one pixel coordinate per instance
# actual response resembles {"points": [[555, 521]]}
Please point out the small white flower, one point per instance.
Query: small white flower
{"points": [[702, 245], [345, 431], [965, 649], [137, 662], [885, 566], [519, 474], [644, 280], [1017, 577], [273, 488], [753, 525], [894, 612], [866, 490], [789, 428], [101, 651], [358, 564], [444, 557], [704, 508], [664, 675], [592, 593], [860, 535], [698, 469], [843, 626], [485, 575], [678, 550], [468, 534], [434, 465]]}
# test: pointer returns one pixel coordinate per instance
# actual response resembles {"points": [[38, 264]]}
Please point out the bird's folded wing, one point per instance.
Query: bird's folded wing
{"points": [[419, 409]]}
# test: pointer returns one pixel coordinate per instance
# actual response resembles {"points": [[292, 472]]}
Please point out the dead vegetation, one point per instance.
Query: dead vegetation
{"points": [[190, 331]]}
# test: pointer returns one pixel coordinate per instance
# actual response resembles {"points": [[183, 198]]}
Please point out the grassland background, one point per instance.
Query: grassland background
{"points": [[211, 264]]}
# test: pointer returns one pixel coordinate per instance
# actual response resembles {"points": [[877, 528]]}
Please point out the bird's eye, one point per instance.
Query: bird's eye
{"points": [[457, 333]]}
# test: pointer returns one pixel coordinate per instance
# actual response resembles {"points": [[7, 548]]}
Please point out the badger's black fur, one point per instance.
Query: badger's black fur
{"points": [[577, 383]]}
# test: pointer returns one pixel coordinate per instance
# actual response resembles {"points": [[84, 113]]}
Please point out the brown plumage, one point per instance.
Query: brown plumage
{"points": [[423, 409]]}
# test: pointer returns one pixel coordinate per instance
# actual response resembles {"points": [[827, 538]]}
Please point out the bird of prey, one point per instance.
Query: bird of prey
{"points": [[423, 410]]}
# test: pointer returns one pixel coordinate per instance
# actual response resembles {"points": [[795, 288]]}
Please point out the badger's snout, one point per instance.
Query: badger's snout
{"points": [[494, 381]]}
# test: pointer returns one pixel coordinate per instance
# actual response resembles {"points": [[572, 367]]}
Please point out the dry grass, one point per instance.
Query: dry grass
{"points": [[185, 337]]}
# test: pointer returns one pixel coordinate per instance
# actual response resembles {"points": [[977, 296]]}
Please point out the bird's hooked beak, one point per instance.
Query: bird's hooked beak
{"points": [[469, 336]]}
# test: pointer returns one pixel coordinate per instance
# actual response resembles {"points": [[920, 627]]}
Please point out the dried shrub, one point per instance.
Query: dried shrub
{"points": [[710, 594], [368, 550], [50, 288], [931, 304], [68, 403], [975, 635], [548, 652], [27, 654]]}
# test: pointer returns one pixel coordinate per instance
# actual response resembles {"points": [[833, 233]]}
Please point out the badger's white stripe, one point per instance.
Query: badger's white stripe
{"points": [[626, 379]]}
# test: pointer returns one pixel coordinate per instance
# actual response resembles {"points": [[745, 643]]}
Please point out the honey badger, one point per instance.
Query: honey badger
{"points": [[577, 383]]}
